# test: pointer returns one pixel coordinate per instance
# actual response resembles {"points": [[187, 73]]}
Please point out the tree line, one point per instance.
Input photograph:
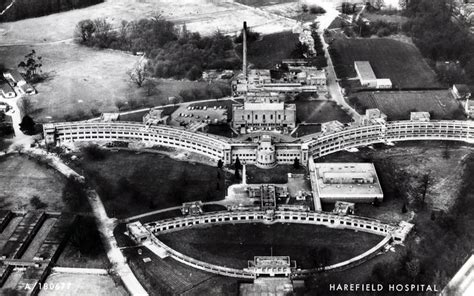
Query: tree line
{"points": [[437, 36], [23, 9], [171, 52]]}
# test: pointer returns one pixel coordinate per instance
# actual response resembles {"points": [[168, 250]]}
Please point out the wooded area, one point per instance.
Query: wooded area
{"points": [[171, 51], [23, 9], [436, 34]]}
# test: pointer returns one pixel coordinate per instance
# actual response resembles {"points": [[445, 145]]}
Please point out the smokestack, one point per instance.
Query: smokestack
{"points": [[244, 53]]}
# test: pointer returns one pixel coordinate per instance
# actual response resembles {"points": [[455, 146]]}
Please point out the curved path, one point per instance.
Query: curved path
{"points": [[390, 233]]}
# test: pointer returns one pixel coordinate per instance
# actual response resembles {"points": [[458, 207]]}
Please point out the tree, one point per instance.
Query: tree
{"points": [[84, 30], [238, 165], [296, 163], [27, 125], [413, 267], [74, 195], [36, 202], [402, 4], [404, 208], [237, 173], [85, 237], [120, 104], [139, 74], [425, 183], [31, 65]]}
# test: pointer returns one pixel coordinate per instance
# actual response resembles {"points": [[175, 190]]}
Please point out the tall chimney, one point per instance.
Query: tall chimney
{"points": [[244, 46]]}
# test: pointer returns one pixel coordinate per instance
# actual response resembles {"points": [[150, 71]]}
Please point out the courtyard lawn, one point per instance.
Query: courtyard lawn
{"points": [[233, 245], [320, 111], [134, 183], [276, 175], [401, 62]]}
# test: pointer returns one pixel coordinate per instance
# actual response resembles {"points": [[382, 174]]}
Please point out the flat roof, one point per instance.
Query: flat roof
{"points": [[365, 70], [264, 106], [347, 189]]}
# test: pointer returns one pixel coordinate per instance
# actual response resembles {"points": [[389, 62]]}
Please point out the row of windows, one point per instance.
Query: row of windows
{"points": [[72, 137]]}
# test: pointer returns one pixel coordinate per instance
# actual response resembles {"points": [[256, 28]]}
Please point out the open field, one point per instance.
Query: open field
{"points": [[232, 245], [133, 183], [442, 240], [399, 61], [21, 179], [83, 82], [270, 49], [320, 111], [201, 16], [81, 285], [397, 105]]}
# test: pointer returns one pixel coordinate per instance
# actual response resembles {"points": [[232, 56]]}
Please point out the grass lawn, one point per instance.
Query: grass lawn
{"points": [[232, 245], [281, 44], [133, 183], [83, 82], [401, 62], [320, 111], [22, 178], [304, 130], [397, 105], [276, 175]]}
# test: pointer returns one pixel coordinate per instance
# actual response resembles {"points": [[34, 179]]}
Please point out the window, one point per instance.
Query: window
{"points": [[256, 116], [271, 116]]}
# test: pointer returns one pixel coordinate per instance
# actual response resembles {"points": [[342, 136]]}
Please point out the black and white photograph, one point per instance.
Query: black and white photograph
{"points": [[236, 147]]}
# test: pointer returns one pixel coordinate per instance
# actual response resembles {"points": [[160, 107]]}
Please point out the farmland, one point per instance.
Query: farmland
{"points": [[399, 61], [398, 105]]}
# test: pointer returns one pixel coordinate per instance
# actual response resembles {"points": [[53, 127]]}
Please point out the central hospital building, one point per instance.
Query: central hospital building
{"points": [[264, 111]]}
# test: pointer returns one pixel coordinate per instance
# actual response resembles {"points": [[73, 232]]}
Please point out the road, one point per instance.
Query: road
{"points": [[333, 86]]}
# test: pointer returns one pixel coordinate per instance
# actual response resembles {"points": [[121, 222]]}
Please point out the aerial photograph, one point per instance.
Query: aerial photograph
{"points": [[236, 147]]}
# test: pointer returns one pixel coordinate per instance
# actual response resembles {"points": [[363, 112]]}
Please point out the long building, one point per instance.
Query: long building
{"points": [[228, 150]]}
